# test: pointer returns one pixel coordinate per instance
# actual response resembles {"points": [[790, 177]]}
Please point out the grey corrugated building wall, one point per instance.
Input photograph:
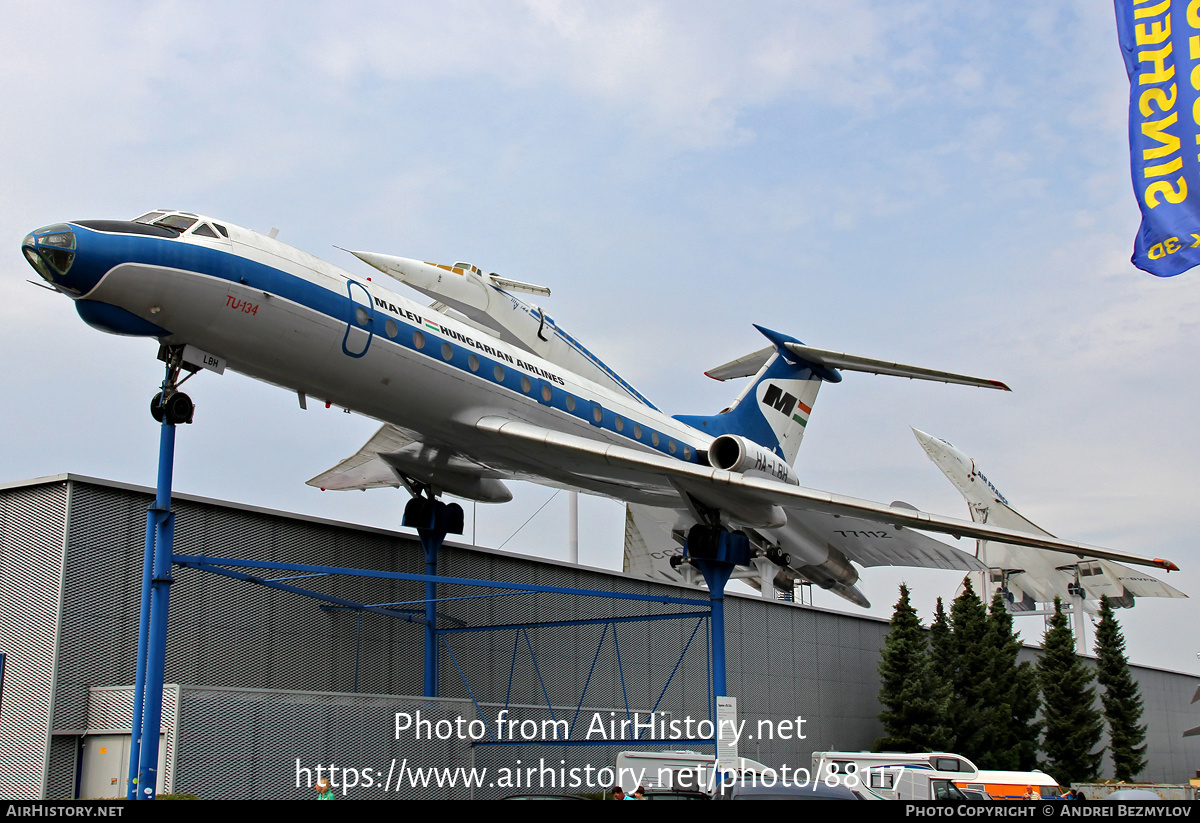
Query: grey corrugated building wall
{"points": [[267, 678]]}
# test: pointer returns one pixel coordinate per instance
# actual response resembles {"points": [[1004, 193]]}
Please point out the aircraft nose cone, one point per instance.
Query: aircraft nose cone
{"points": [[51, 252], [947, 458], [383, 262], [927, 441], [66, 256]]}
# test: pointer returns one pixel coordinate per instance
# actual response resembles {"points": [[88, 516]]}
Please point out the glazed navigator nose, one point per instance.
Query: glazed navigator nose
{"points": [[51, 252], [65, 256]]}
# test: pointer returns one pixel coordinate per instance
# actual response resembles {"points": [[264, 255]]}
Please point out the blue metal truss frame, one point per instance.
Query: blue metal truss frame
{"points": [[229, 567], [159, 560]]}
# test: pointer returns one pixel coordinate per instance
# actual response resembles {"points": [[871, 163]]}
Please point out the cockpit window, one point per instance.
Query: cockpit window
{"points": [[221, 229], [149, 217], [203, 230], [180, 222]]}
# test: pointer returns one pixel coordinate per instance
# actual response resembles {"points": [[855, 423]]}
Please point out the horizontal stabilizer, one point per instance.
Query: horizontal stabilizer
{"points": [[747, 366], [853, 362]]}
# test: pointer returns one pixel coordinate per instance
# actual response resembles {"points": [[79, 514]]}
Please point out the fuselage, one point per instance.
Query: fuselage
{"points": [[286, 317]]}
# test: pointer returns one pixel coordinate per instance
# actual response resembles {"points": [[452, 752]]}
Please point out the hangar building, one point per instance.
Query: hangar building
{"points": [[264, 685]]}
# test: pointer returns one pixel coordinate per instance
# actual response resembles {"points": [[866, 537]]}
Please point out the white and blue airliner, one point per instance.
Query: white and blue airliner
{"points": [[482, 387]]}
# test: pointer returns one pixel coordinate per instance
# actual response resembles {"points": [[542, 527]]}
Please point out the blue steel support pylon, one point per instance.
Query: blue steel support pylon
{"points": [[431, 542], [139, 682], [142, 778], [716, 575], [433, 520], [716, 553]]}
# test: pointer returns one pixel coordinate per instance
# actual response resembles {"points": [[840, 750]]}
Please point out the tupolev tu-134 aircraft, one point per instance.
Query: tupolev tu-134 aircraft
{"points": [[481, 387]]}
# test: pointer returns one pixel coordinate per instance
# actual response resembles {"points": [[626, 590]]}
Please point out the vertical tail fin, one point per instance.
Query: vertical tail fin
{"points": [[773, 410]]}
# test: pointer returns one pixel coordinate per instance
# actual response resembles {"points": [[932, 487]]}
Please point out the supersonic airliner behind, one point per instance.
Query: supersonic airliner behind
{"points": [[481, 387]]}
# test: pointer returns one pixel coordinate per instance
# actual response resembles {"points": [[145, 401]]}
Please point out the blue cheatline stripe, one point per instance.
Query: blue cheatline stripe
{"points": [[580, 348], [228, 266]]}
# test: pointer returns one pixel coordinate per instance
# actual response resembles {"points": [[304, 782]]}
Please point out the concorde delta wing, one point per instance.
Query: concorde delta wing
{"points": [[754, 501], [394, 457]]}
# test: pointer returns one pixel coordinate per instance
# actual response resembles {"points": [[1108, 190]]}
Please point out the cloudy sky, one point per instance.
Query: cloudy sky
{"points": [[939, 183]]}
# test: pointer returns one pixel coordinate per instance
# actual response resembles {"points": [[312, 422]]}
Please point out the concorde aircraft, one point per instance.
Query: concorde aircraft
{"points": [[1028, 577], [466, 406]]}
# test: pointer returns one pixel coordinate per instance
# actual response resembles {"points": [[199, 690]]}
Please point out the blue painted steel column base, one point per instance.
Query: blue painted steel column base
{"points": [[139, 681], [142, 780], [433, 520], [431, 542], [716, 553], [716, 575]]}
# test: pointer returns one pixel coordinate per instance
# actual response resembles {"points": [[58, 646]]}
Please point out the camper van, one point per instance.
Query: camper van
{"points": [[1013, 785], [897, 775]]}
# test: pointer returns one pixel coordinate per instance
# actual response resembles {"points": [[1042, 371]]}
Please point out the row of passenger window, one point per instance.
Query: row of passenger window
{"points": [[548, 395]]}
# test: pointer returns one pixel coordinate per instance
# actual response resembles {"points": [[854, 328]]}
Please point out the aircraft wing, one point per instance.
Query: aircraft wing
{"points": [[1138, 584], [394, 457], [754, 501], [365, 469], [1042, 578], [818, 548], [867, 543], [649, 544]]}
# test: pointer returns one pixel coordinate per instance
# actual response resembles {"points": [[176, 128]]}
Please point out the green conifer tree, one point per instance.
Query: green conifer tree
{"points": [[1073, 726], [939, 637], [1121, 699], [913, 705], [975, 704], [941, 660], [1017, 728]]}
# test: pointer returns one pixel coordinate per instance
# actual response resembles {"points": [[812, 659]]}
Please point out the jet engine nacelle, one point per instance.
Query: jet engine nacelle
{"points": [[1125, 601], [836, 575], [734, 453]]}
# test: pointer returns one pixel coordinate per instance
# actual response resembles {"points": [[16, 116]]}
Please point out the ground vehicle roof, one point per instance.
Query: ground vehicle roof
{"points": [[756, 790]]}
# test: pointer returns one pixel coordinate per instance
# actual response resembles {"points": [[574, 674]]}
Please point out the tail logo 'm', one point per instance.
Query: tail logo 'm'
{"points": [[779, 400], [785, 403]]}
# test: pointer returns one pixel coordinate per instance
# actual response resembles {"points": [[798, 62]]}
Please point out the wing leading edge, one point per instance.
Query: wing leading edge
{"points": [[395, 457], [762, 503]]}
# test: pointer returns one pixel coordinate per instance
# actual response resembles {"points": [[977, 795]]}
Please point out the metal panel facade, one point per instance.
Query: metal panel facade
{"points": [[32, 527], [270, 677]]}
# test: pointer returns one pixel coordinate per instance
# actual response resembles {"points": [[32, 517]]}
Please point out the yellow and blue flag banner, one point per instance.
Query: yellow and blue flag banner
{"points": [[1160, 41]]}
